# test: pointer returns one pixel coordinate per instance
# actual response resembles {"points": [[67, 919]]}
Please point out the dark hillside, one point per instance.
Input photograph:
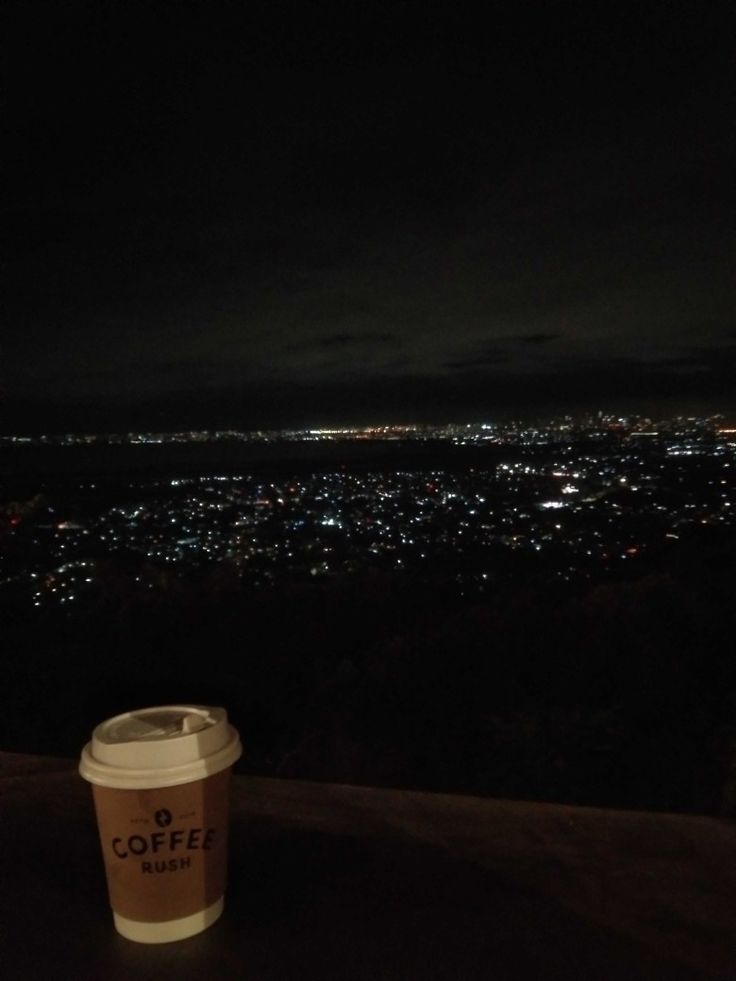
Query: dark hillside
{"points": [[618, 694]]}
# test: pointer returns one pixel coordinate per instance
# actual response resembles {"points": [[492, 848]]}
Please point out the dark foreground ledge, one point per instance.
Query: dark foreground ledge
{"points": [[352, 883]]}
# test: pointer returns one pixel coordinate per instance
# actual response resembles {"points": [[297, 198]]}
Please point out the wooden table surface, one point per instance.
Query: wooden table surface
{"points": [[353, 883]]}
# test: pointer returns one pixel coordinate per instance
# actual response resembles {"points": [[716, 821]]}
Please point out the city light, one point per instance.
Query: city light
{"points": [[455, 522]]}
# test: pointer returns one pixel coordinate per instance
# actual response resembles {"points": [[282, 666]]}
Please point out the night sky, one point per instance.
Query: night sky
{"points": [[277, 214]]}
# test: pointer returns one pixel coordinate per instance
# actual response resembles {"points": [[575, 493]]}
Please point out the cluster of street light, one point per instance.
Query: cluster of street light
{"points": [[558, 511]]}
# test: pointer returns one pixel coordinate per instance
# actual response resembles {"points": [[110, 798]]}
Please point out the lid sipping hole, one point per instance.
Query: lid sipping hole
{"points": [[194, 723]]}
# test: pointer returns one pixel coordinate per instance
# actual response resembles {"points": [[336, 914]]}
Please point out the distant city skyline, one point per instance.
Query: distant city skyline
{"points": [[501, 425]]}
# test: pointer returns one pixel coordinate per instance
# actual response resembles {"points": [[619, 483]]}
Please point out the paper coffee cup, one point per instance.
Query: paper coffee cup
{"points": [[160, 779]]}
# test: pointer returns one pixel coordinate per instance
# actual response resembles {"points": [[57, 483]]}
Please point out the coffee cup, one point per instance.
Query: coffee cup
{"points": [[161, 780]]}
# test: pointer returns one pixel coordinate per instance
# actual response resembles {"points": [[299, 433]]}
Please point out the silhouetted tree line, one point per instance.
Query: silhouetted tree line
{"points": [[618, 694]]}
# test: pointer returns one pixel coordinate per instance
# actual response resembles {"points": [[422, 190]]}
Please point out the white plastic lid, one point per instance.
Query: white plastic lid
{"points": [[160, 747]]}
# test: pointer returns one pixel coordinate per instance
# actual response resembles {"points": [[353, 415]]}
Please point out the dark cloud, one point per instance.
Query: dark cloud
{"points": [[479, 362], [677, 365], [500, 352], [137, 369], [718, 357], [538, 339], [377, 338]]}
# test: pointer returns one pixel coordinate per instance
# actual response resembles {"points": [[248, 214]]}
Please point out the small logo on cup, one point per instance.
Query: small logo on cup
{"points": [[162, 817]]}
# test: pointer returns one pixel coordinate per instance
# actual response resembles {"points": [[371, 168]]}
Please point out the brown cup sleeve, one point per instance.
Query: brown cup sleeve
{"points": [[165, 850]]}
